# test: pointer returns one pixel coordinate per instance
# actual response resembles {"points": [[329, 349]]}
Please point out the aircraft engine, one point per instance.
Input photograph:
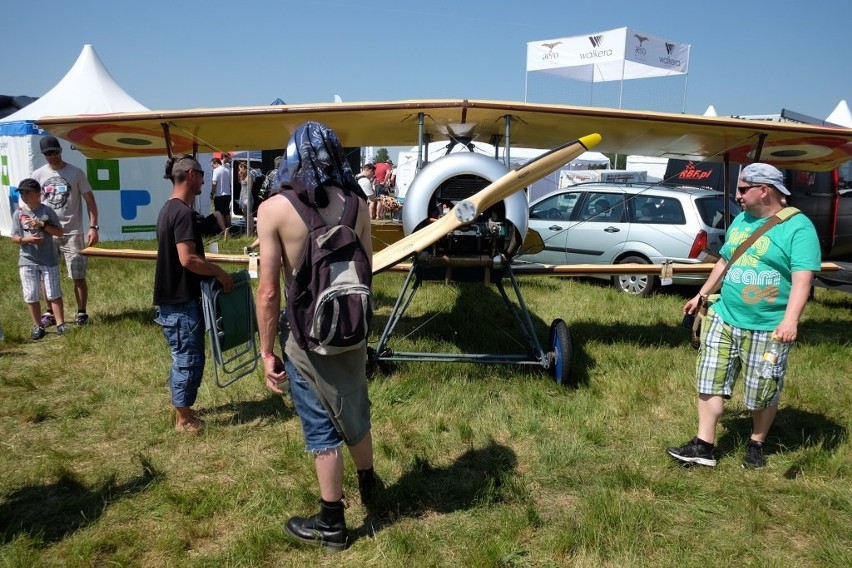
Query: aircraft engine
{"points": [[497, 233]]}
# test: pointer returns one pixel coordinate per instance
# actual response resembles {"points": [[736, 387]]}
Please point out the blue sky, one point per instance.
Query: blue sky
{"points": [[748, 56]]}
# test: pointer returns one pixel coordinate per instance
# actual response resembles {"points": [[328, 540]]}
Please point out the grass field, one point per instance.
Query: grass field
{"points": [[483, 465]]}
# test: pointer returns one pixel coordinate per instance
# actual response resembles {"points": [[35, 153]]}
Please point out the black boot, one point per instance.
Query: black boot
{"points": [[327, 528]]}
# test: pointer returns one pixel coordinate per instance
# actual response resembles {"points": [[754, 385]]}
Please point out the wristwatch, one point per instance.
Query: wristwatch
{"points": [[95, 227]]}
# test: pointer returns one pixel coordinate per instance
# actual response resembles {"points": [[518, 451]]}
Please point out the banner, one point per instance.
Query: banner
{"points": [[613, 55]]}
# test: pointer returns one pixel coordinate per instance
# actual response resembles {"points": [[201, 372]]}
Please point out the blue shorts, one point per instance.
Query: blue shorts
{"points": [[183, 328], [319, 431]]}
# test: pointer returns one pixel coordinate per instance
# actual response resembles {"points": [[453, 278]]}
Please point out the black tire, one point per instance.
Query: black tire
{"points": [[636, 284], [560, 354]]}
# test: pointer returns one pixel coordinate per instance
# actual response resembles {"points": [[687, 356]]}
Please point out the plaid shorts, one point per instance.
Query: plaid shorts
{"points": [[31, 278], [70, 246], [725, 350]]}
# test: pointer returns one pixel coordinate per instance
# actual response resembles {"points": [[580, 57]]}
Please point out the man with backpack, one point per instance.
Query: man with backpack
{"points": [[317, 224]]}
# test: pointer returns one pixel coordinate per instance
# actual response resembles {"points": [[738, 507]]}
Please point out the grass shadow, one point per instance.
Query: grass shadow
{"points": [[142, 316], [50, 512], [477, 477], [793, 429], [243, 412]]}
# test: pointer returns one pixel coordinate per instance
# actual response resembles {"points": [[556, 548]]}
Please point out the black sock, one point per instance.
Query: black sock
{"points": [[703, 444]]}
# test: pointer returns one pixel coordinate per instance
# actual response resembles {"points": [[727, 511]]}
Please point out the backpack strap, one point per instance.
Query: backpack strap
{"points": [[311, 217]]}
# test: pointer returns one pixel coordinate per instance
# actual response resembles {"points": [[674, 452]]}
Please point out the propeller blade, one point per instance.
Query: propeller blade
{"points": [[466, 210]]}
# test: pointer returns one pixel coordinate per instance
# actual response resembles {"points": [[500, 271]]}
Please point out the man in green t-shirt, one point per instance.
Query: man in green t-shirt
{"points": [[763, 295]]}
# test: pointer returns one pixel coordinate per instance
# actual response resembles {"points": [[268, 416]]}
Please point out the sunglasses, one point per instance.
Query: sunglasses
{"points": [[52, 153], [744, 190]]}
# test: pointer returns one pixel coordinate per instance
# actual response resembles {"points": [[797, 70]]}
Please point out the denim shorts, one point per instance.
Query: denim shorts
{"points": [[183, 328], [725, 350], [320, 433]]}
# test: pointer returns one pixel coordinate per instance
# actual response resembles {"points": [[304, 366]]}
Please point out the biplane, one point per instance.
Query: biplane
{"points": [[465, 216]]}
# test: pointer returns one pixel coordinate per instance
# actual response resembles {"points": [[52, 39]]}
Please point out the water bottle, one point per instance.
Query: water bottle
{"points": [[770, 357]]}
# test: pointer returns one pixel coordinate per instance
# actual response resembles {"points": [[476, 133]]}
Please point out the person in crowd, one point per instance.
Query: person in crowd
{"points": [[365, 180], [316, 170], [64, 189], [762, 299], [34, 225], [380, 185], [221, 189], [177, 287]]}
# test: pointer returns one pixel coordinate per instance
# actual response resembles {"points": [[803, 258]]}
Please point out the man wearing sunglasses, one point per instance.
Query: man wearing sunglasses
{"points": [[64, 189], [762, 297], [177, 287]]}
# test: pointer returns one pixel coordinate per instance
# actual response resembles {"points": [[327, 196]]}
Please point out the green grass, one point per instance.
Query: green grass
{"points": [[484, 465]]}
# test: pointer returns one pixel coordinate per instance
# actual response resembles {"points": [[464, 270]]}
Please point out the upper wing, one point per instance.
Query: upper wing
{"points": [[788, 145]]}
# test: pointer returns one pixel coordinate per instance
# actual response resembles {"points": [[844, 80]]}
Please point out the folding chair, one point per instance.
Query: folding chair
{"points": [[230, 324]]}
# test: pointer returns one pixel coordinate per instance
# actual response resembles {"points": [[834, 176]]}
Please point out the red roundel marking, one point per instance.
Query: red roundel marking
{"points": [[797, 150], [118, 137]]}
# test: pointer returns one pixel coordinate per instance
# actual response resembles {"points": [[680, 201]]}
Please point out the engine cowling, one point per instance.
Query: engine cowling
{"points": [[499, 230]]}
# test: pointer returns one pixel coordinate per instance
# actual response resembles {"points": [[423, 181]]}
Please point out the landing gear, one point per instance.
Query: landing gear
{"points": [[559, 357]]}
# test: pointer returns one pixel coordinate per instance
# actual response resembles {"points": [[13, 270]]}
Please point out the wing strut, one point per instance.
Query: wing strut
{"points": [[168, 138]]}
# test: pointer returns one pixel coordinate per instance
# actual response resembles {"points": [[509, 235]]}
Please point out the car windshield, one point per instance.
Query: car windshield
{"points": [[712, 208]]}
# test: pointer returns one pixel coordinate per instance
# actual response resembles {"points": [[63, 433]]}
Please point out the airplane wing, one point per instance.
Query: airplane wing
{"points": [[787, 145]]}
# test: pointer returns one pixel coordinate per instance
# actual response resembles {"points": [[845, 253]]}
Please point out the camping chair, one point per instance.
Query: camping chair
{"points": [[230, 324]]}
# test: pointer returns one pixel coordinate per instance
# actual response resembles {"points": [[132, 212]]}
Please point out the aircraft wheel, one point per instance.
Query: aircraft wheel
{"points": [[560, 356], [636, 284]]}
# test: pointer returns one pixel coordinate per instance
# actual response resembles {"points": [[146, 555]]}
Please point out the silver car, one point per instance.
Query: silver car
{"points": [[606, 223]]}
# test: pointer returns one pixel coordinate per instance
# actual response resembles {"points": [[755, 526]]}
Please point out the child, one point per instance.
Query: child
{"points": [[33, 227]]}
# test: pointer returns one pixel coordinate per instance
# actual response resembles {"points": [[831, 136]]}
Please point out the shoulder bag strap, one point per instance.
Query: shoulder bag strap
{"points": [[779, 217]]}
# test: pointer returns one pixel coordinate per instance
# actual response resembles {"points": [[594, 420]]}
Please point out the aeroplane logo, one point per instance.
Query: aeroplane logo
{"points": [[596, 40], [640, 51], [550, 55]]}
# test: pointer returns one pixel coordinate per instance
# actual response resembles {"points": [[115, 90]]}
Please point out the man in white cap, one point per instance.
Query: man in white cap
{"points": [[64, 189], [762, 297]]}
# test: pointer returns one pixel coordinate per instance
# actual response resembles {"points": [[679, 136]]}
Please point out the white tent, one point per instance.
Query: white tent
{"points": [[406, 164], [841, 115], [128, 192], [615, 55]]}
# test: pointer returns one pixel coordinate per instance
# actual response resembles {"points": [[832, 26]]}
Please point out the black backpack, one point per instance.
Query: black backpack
{"points": [[329, 301]]}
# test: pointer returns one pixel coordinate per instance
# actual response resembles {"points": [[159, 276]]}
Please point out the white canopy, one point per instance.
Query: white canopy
{"points": [[128, 192], [841, 115], [87, 88], [614, 55]]}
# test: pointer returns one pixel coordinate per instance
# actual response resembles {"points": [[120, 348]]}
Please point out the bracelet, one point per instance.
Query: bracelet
{"points": [[95, 227], [267, 355]]}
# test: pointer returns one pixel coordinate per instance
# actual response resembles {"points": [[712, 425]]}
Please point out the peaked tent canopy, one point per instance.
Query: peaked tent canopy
{"points": [[87, 88], [841, 115]]}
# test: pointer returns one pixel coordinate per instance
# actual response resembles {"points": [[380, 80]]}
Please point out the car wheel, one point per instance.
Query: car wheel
{"points": [[636, 284]]}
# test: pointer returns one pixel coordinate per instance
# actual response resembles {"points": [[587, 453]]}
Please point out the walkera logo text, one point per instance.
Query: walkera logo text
{"points": [[670, 47], [596, 41]]}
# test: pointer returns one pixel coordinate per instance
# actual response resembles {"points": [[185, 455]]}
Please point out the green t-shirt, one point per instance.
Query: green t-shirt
{"points": [[757, 287]]}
